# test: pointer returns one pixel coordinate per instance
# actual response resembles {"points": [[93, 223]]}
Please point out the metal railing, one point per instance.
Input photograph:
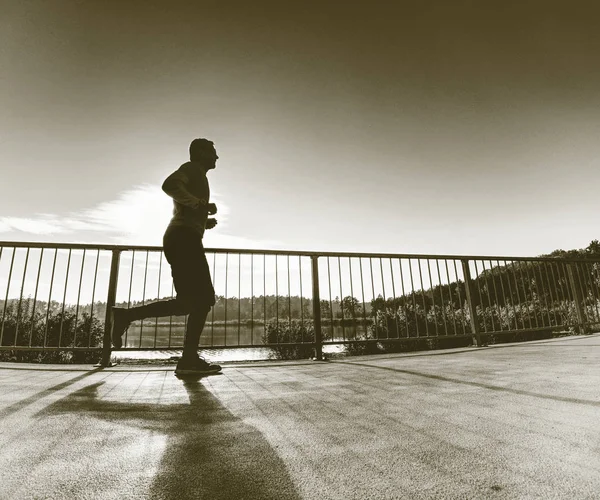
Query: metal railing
{"points": [[58, 297]]}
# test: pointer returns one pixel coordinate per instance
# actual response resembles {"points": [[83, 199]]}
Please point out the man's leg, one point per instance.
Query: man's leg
{"points": [[123, 317], [195, 325], [190, 363]]}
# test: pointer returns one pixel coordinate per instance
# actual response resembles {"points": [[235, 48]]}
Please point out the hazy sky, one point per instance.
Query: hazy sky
{"points": [[445, 127]]}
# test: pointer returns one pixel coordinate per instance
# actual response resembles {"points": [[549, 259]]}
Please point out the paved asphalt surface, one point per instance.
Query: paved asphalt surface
{"points": [[507, 421]]}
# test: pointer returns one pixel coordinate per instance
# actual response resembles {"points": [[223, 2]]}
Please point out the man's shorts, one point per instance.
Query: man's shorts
{"points": [[191, 276]]}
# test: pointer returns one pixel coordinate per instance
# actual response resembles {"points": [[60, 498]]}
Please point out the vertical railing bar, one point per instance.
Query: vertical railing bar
{"points": [[584, 286], [302, 328], [583, 294], [517, 265], [583, 307], [501, 278], [561, 300], [506, 302], [129, 297], [301, 296], [481, 302], [318, 336], [265, 291], [93, 298], [593, 286], [550, 291], [352, 294], [171, 319], [529, 281], [497, 299], [570, 292], [450, 297], [595, 276], [239, 296], [49, 298], [382, 280], [277, 292], [578, 298], [341, 299], [437, 265], [514, 276], [226, 298], [252, 299], [395, 303], [160, 255], [487, 288], [212, 314], [523, 311], [553, 306], [432, 297], [144, 297], [21, 296], [62, 319], [413, 293], [511, 294], [470, 291], [289, 293], [111, 298], [502, 305], [532, 306], [7, 289], [460, 298], [405, 309], [362, 287], [78, 299], [37, 283], [387, 332], [539, 271], [330, 299], [372, 279], [423, 295]]}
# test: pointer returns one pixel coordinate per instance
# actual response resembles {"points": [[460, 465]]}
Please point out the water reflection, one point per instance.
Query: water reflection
{"points": [[152, 336]]}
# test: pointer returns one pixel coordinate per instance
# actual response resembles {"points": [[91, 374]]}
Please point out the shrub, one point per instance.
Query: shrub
{"points": [[286, 332], [24, 326]]}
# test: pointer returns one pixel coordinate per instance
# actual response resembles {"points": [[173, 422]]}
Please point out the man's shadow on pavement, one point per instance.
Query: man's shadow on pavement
{"points": [[209, 452]]}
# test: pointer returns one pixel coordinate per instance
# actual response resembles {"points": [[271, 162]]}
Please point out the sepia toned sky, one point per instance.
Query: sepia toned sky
{"points": [[443, 127]]}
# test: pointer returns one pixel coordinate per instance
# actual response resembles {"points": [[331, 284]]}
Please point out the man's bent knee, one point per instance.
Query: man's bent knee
{"points": [[190, 304]]}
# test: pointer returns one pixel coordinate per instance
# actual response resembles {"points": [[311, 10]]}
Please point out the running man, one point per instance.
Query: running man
{"points": [[182, 243]]}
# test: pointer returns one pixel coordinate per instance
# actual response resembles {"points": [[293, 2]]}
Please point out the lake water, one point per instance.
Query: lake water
{"points": [[169, 340]]}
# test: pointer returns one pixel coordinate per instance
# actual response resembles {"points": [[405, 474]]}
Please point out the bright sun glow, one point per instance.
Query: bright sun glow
{"points": [[137, 216]]}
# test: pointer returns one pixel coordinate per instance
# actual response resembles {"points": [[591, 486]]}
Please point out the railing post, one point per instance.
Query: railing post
{"points": [[575, 285], [317, 308], [110, 302], [470, 291]]}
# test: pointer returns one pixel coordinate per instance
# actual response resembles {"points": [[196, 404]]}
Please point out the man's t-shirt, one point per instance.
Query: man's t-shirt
{"points": [[187, 186]]}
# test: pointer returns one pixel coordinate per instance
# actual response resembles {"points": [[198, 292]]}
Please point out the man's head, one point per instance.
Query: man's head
{"points": [[203, 150]]}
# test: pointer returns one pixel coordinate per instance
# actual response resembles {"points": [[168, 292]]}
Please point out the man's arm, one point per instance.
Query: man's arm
{"points": [[176, 187]]}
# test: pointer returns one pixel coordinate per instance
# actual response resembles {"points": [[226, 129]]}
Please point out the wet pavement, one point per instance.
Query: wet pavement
{"points": [[507, 421]]}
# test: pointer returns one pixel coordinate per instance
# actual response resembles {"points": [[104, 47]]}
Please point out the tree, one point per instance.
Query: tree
{"points": [[351, 307]]}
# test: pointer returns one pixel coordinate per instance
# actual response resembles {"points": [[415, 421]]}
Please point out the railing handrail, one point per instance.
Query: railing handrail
{"points": [[304, 253]]}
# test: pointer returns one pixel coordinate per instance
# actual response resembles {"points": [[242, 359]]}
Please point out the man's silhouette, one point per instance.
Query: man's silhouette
{"points": [[182, 243]]}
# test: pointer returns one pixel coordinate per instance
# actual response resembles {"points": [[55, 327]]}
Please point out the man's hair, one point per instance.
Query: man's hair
{"points": [[199, 148]]}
